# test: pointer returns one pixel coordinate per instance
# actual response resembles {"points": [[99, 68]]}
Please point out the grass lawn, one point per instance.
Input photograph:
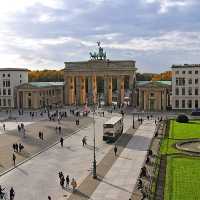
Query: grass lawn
{"points": [[183, 172], [182, 178]]}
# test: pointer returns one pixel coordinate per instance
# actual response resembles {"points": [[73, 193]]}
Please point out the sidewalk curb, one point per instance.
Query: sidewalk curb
{"points": [[40, 152]]}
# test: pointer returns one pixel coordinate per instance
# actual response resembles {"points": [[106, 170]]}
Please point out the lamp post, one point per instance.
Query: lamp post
{"points": [[133, 122], [94, 152]]}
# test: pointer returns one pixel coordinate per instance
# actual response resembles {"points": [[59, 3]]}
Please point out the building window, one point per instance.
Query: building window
{"points": [[20, 75], [190, 81], [53, 93], [8, 75], [152, 94], [20, 81], [196, 72], [177, 91], [9, 102], [177, 72], [196, 80], [4, 91], [9, 91], [0, 102], [183, 103], [4, 75], [196, 91], [177, 103], [189, 103], [29, 94], [183, 91], [189, 72], [189, 91], [4, 102], [196, 104], [4, 83], [183, 72]]}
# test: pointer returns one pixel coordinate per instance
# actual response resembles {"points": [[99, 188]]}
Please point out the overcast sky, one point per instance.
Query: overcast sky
{"points": [[41, 34]]}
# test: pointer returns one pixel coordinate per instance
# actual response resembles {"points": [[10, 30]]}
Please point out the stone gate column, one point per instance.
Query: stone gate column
{"points": [[132, 86], [71, 90], [78, 90], [120, 88], [94, 89], [108, 90], [90, 94], [82, 90]]}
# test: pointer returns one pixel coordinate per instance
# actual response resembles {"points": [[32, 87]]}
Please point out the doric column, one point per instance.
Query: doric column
{"points": [[108, 90], [120, 88], [90, 94], [82, 90], [71, 90], [78, 91], [132, 85], [94, 89]]}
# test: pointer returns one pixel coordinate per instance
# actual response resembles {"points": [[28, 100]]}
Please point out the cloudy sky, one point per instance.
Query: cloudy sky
{"points": [[41, 34]]}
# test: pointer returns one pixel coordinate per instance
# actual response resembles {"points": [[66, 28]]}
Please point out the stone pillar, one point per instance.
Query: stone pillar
{"points": [[82, 90], [78, 91], [120, 88], [90, 94], [132, 89], [71, 90], [108, 90], [94, 89]]}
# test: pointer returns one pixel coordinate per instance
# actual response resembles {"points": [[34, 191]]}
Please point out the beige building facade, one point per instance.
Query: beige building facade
{"points": [[82, 78], [36, 95], [154, 95], [186, 86]]}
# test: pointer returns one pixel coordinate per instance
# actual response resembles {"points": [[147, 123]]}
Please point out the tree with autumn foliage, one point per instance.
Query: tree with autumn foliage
{"points": [[46, 76]]}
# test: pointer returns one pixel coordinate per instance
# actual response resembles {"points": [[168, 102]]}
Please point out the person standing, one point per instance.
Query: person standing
{"points": [[49, 198], [14, 159], [67, 181], [4, 127], [74, 184], [61, 141], [115, 150], [12, 193]]}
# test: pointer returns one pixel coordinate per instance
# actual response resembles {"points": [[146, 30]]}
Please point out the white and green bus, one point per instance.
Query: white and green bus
{"points": [[112, 129]]}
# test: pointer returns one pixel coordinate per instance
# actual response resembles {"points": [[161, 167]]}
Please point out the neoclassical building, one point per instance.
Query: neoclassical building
{"points": [[36, 95], [82, 79], [154, 95]]}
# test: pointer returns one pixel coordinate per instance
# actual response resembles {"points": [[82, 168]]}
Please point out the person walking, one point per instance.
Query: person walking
{"points": [[14, 158], [115, 150], [12, 193], [4, 127], [67, 181], [61, 141], [73, 184]]}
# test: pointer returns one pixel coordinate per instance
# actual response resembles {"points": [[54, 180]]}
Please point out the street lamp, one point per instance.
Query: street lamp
{"points": [[94, 158]]}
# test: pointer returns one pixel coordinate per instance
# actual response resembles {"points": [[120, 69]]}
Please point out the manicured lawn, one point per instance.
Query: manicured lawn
{"points": [[183, 172], [182, 178], [184, 130]]}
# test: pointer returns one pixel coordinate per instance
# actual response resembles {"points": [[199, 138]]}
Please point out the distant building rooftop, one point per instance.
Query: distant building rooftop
{"points": [[185, 65], [40, 84], [13, 69], [140, 83]]}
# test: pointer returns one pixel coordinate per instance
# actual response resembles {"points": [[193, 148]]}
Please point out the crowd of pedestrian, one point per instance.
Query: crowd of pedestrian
{"points": [[65, 182]]}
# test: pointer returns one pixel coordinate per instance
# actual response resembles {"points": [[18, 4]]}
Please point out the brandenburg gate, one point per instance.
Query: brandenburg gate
{"points": [[81, 85]]}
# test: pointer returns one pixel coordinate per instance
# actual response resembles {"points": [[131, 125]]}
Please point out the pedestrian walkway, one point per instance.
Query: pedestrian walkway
{"points": [[38, 178], [121, 179]]}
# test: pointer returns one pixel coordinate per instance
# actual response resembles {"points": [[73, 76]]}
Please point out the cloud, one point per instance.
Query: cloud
{"points": [[166, 5], [46, 33]]}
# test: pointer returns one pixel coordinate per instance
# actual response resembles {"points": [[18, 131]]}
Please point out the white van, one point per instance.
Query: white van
{"points": [[112, 129]]}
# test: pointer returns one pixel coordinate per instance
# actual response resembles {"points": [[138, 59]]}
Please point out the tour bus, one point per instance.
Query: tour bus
{"points": [[112, 129]]}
